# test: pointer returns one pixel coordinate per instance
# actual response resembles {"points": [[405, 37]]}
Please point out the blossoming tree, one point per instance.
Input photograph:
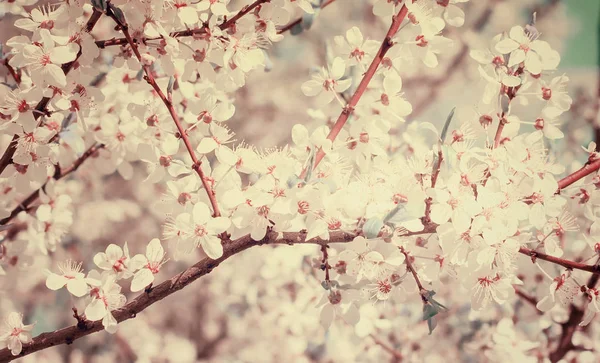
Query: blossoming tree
{"points": [[476, 224]]}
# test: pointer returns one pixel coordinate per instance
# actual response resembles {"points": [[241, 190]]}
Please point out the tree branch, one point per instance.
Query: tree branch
{"points": [[586, 170], [185, 33], [197, 163], [141, 302], [24, 205], [594, 269]]}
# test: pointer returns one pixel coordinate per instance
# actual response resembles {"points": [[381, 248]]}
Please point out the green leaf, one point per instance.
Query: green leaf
{"points": [[396, 215], [297, 29], [446, 125], [372, 227], [118, 13], [99, 5]]}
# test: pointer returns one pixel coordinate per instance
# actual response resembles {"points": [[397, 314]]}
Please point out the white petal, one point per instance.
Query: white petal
{"points": [[212, 247], [141, 279], [95, 310], [338, 68], [55, 282], [77, 287]]}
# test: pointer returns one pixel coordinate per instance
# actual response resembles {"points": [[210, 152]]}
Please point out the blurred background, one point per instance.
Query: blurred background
{"points": [[221, 318]]}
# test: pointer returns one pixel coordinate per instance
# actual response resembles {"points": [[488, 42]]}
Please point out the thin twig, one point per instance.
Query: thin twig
{"points": [[364, 83], [149, 77], [24, 205]]}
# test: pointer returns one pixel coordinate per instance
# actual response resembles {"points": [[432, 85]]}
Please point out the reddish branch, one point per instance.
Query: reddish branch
{"points": [[364, 83], [24, 205], [197, 163], [409, 266], [40, 108], [559, 261], [205, 266], [437, 166], [586, 170]]}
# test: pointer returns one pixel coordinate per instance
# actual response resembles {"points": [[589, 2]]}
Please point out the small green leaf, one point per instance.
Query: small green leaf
{"points": [[372, 227], [99, 5], [119, 16], [297, 29], [447, 125]]}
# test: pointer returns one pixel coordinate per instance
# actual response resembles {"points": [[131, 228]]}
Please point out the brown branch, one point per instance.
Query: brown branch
{"points": [[594, 269], [149, 77], [141, 302], [409, 266], [184, 33], [364, 83], [245, 10], [40, 108], [24, 205], [434, 176]]}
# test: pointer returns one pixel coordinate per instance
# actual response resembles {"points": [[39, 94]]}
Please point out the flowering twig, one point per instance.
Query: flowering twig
{"points": [[61, 173], [185, 33], [411, 268], [560, 261], [168, 287], [434, 176], [205, 266], [40, 108], [197, 164], [245, 10], [364, 83]]}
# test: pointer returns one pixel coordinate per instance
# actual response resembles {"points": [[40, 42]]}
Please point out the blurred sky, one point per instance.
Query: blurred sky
{"points": [[582, 48]]}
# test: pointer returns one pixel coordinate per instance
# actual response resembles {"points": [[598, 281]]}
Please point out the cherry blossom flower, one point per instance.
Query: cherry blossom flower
{"points": [[525, 47], [354, 48], [147, 266], [106, 296], [198, 229], [219, 136], [71, 275], [327, 83], [338, 303], [116, 260], [15, 333], [487, 285], [43, 60], [563, 290]]}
